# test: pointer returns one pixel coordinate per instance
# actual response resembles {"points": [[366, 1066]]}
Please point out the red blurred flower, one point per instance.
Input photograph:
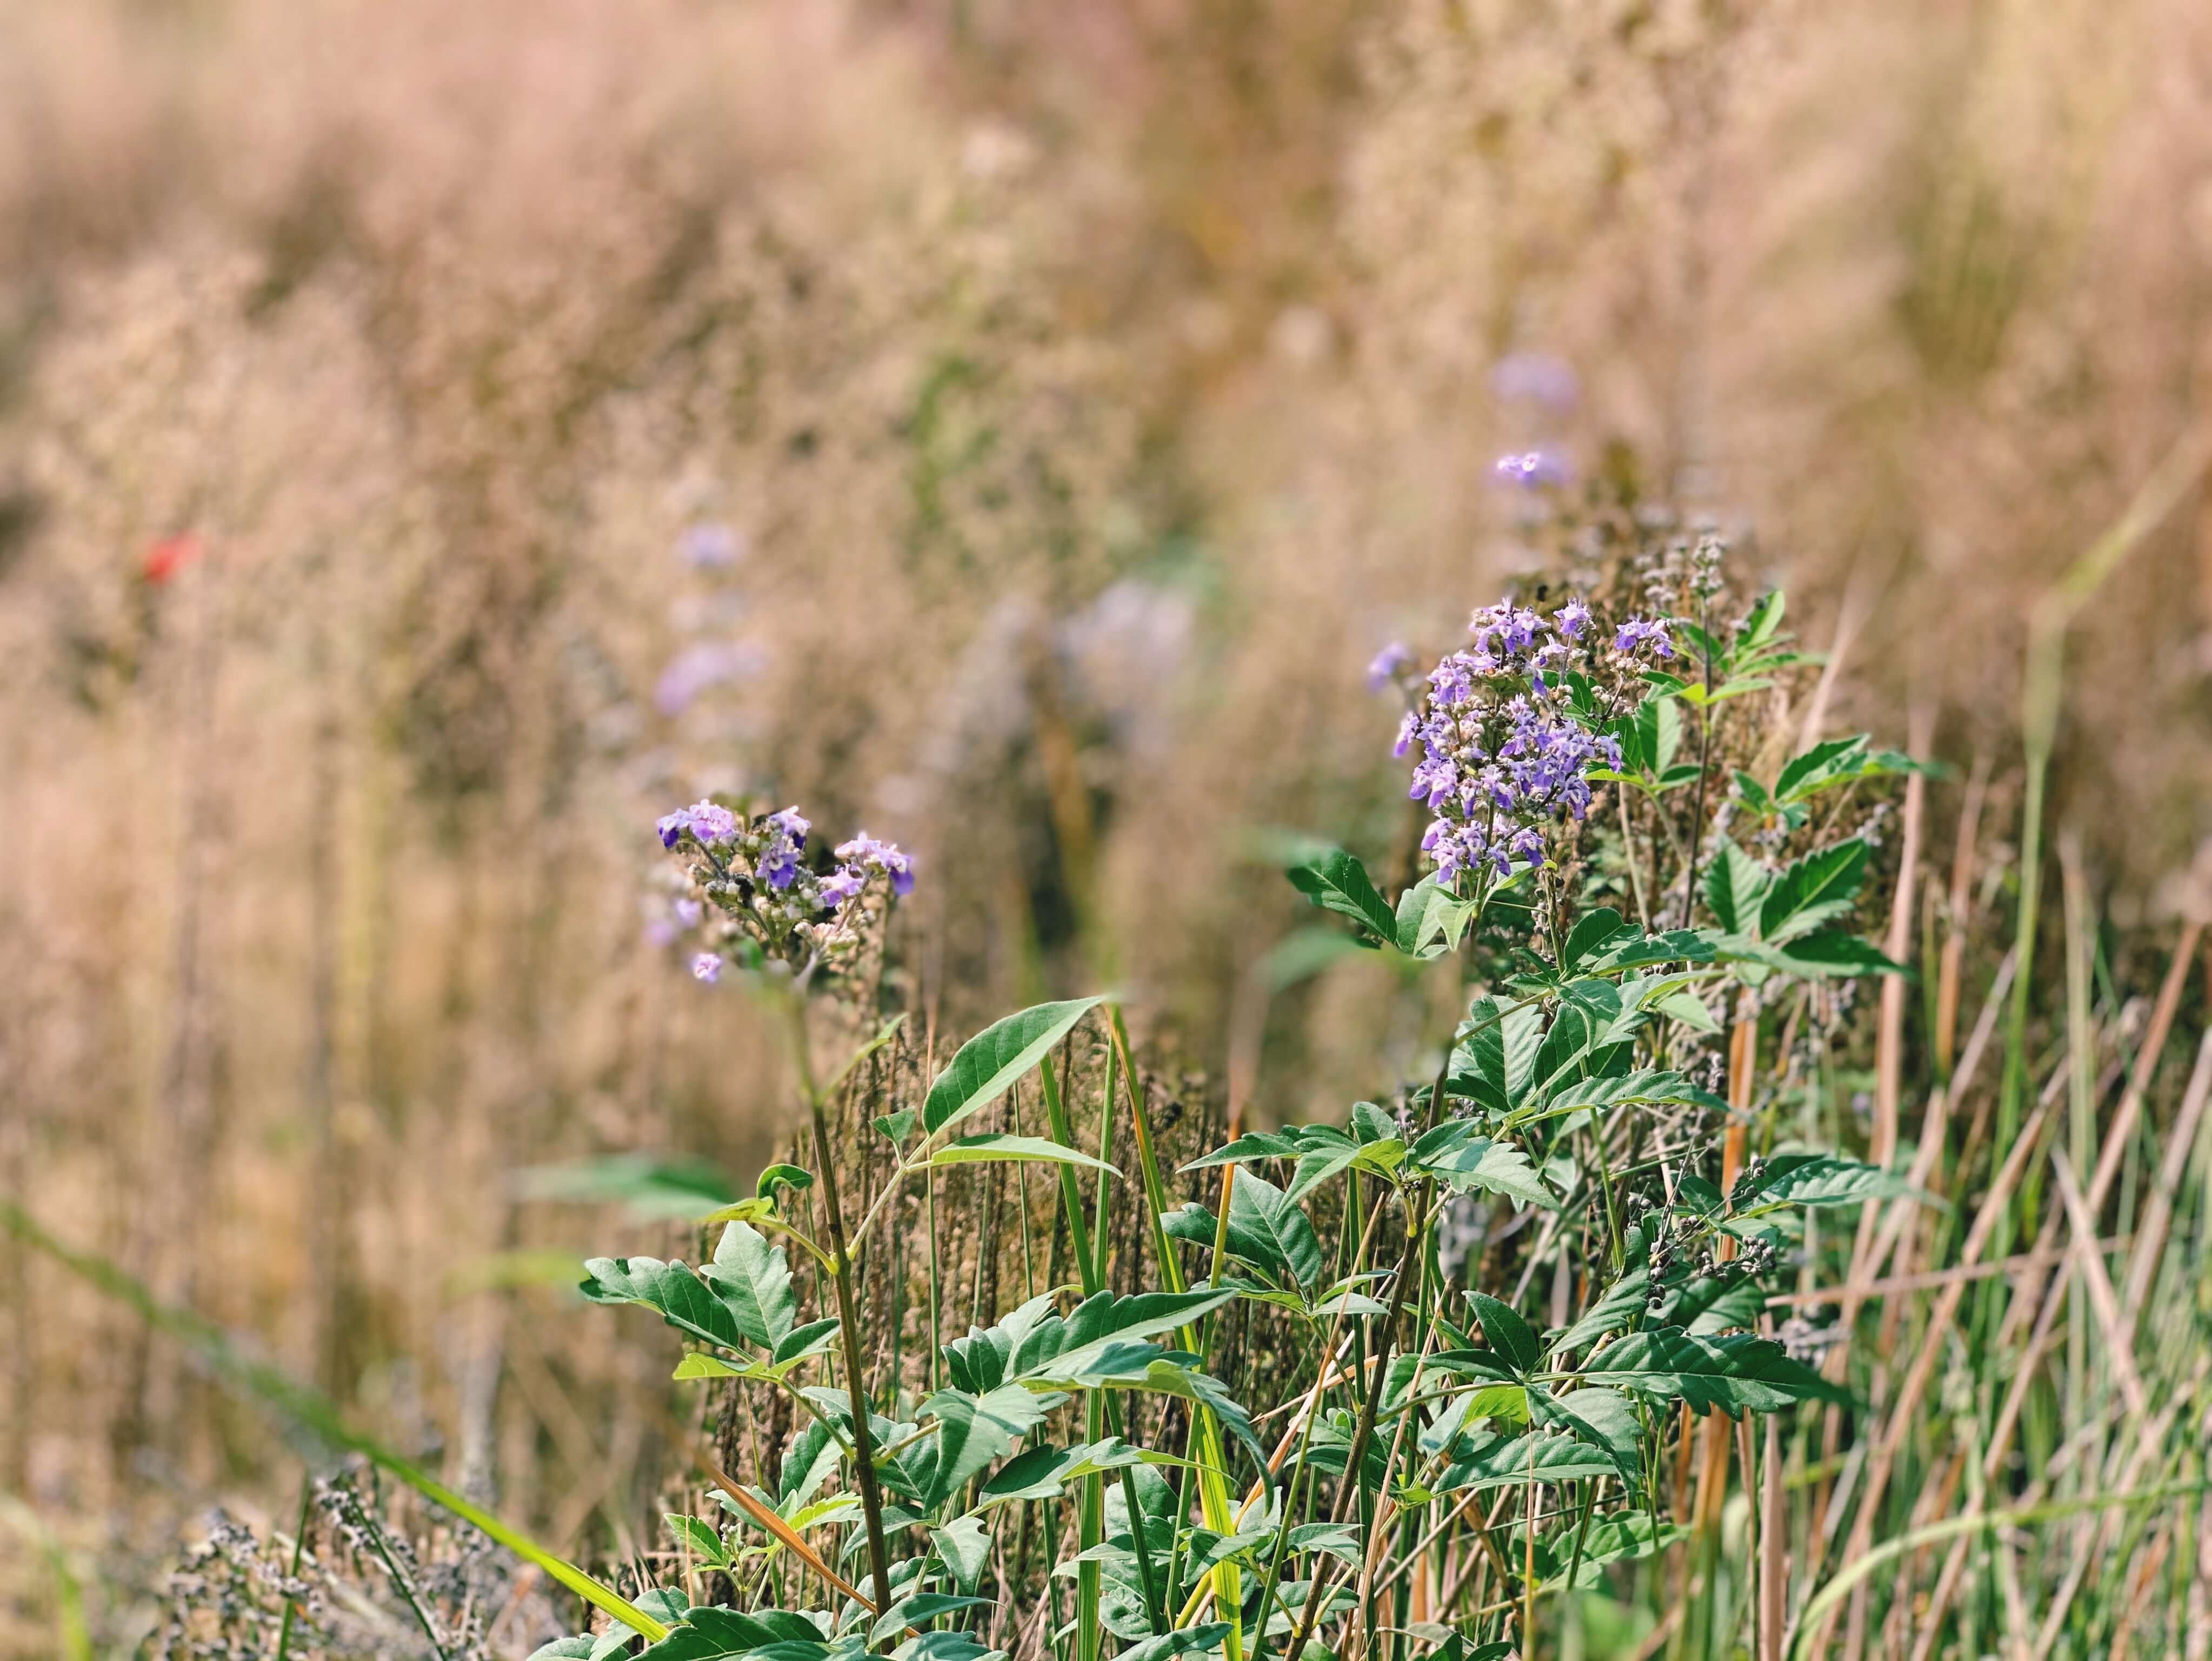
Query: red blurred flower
{"points": [[169, 555]]}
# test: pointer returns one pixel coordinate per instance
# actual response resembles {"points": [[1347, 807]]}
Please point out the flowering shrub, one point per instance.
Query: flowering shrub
{"points": [[1576, 1089]]}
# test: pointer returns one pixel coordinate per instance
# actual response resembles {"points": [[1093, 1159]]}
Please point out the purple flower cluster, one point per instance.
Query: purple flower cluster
{"points": [[865, 850], [1502, 755], [754, 871], [1384, 667]]}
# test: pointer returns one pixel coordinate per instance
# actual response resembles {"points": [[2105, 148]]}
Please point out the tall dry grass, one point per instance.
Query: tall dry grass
{"points": [[1094, 391]]}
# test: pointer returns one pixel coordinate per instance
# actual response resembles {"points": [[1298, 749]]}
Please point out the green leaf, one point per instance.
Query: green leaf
{"points": [[1499, 1461], [1265, 1229], [797, 1178], [799, 1342], [1735, 1374], [1465, 1160], [1338, 882], [1001, 1146], [976, 1431], [1606, 1419], [1508, 1334], [1812, 890], [702, 1537], [683, 1299], [1838, 953], [1430, 919], [710, 1633], [919, 1610], [754, 1282], [579, 1648], [700, 1365], [896, 1127], [809, 1459], [1818, 1179], [1593, 931], [1824, 764], [1647, 1087], [990, 1063], [965, 1548], [1735, 884], [1184, 1641], [652, 1187]]}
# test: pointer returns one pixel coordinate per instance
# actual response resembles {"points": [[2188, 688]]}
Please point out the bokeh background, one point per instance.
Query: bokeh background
{"points": [[435, 439]]}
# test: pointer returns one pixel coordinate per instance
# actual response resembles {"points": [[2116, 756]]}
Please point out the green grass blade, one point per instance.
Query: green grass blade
{"points": [[315, 1414]]}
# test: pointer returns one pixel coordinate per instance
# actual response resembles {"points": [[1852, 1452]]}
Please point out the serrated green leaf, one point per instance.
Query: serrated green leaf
{"points": [[977, 1431], [964, 1549], [1825, 763], [682, 1299], [1838, 953], [1820, 1179], [1336, 881], [1265, 1229], [1812, 890], [1734, 1373], [1735, 886], [809, 1459], [1646, 1087], [995, 1059], [1605, 1419], [1499, 1461], [704, 1540], [754, 1280], [1464, 1160]]}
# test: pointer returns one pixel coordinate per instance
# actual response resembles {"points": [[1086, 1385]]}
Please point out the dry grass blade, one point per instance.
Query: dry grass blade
{"points": [[2158, 1215], [2088, 1254]]}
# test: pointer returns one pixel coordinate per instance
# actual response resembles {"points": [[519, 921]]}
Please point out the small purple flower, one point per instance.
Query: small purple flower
{"points": [[1408, 728], [672, 827], [709, 822], [1532, 469], [885, 856], [707, 967], [695, 668], [842, 884], [1571, 619], [660, 933], [688, 912], [1536, 378], [709, 546], [1635, 633], [1384, 667], [777, 863]]}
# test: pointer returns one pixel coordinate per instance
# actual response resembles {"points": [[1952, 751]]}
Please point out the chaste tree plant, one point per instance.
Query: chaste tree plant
{"points": [[1448, 1461]]}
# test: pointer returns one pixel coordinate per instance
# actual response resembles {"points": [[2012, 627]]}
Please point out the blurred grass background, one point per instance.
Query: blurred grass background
{"points": [[437, 439]]}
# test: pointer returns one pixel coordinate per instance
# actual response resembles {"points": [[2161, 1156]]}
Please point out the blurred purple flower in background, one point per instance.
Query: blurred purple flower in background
{"points": [[1532, 469], [1383, 668], [708, 967], [710, 546], [695, 668], [1536, 378]]}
